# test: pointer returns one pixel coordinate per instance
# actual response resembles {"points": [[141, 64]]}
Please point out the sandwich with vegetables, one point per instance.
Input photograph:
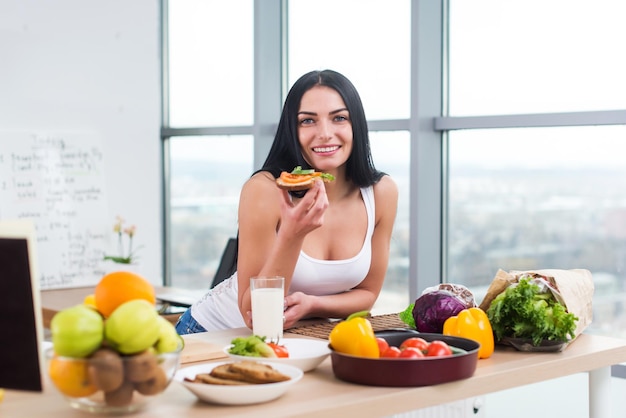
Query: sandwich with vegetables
{"points": [[299, 179]]}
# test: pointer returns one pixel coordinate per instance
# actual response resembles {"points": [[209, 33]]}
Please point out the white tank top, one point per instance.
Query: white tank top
{"points": [[218, 309], [326, 277]]}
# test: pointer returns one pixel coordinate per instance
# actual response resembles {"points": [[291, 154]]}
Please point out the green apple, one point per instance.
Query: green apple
{"points": [[77, 331], [169, 340], [132, 327]]}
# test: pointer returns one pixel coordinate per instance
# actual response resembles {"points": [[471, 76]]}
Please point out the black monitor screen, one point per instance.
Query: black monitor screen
{"points": [[19, 356]]}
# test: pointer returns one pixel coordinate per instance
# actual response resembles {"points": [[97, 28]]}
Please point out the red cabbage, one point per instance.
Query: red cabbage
{"points": [[432, 309]]}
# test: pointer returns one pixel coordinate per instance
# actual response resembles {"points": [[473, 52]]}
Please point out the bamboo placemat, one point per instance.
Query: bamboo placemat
{"points": [[379, 323]]}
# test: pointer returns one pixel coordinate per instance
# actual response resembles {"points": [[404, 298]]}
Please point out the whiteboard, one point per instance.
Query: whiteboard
{"points": [[57, 182], [89, 73]]}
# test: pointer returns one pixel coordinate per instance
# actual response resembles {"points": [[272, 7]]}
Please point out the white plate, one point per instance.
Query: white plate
{"points": [[240, 394], [304, 353]]}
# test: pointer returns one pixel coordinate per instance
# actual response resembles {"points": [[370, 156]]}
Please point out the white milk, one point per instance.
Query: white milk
{"points": [[267, 313]]}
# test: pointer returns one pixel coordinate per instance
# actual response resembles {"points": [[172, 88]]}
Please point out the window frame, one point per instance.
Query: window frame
{"points": [[270, 88], [428, 124], [445, 124]]}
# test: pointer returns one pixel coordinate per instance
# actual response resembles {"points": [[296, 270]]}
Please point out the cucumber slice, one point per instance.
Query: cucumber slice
{"points": [[265, 350], [299, 170]]}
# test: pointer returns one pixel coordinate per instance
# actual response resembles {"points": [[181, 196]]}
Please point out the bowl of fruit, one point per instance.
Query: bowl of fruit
{"points": [[113, 356], [108, 382]]}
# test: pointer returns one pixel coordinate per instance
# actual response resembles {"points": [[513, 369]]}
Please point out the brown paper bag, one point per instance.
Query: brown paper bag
{"points": [[572, 288], [497, 286]]}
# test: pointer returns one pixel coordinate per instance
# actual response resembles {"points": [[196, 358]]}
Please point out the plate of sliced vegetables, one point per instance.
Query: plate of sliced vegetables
{"points": [[303, 353]]}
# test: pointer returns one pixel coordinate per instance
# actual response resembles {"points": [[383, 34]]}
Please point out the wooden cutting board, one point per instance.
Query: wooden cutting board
{"points": [[199, 350]]}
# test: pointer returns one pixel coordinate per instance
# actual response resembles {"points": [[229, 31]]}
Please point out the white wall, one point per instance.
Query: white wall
{"points": [[94, 67]]}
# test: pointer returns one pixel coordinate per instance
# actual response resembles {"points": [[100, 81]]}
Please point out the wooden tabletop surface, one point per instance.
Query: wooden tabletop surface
{"points": [[319, 393]]}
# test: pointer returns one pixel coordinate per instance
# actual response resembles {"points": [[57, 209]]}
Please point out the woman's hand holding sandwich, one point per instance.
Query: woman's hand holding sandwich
{"points": [[301, 216]]}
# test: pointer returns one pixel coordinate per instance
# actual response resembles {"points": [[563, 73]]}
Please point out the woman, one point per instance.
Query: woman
{"points": [[332, 243]]}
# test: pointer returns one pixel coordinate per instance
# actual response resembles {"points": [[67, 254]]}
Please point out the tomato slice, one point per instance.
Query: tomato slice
{"points": [[297, 178], [280, 350]]}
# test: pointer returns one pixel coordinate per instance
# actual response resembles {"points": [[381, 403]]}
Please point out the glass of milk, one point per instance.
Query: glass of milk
{"points": [[268, 295]]}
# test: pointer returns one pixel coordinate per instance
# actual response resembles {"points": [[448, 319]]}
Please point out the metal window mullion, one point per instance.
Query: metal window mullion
{"points": [[425, 201], [268, 74], [165, 154], [206, 131], [607, 117]]}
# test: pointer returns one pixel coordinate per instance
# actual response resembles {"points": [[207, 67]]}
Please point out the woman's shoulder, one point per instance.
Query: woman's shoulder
{"points": [[259, 184], [386, 198], [386, 188], [261, 179]]}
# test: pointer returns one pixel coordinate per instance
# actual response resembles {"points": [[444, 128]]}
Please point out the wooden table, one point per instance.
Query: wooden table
{"points": [[319, 393]]}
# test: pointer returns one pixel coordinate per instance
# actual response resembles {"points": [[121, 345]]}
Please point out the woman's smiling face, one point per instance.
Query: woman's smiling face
{"points": [[324, 129]]}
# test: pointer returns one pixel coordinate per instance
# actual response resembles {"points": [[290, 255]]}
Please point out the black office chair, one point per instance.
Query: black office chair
{"points": [[228, 263]]}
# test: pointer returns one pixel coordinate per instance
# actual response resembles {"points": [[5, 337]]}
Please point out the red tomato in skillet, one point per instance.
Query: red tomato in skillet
{"points": [[411, 352], [416, 342], [438, 348], [382, 345], [279, 350], [391, 352]]}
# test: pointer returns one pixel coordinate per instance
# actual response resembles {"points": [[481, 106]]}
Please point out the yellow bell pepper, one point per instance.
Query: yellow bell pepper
{"points": [[355, 336], [473, 324]]}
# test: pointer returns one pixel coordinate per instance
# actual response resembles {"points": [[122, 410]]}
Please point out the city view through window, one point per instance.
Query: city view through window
{"points": [[567, 211], [510, 218]]}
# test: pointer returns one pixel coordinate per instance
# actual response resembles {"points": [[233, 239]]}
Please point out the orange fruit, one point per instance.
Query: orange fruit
{"points": [[70, 376], [121, 286]]}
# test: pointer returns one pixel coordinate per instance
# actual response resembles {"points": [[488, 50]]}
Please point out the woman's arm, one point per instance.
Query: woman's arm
{"points": [[363, 296], [271, 231]]}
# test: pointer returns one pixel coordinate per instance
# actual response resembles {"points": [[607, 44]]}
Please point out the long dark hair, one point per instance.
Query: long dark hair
{"points": [[285, 152]]}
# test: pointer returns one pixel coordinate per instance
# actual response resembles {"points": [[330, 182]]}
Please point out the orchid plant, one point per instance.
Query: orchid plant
{"points": [[120, 231]]}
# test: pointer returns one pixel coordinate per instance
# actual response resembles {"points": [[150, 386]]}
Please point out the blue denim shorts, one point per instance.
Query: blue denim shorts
{"points": [[187, 325]]}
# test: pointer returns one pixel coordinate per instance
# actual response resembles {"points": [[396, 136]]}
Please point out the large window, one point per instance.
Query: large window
{"points": [[206, 175], [209, 113], [381, 75], [526, 142], [210, 71], [534, 56], [531, 192], [210, 125], [369, 41], [538, 198], [390, 153]]}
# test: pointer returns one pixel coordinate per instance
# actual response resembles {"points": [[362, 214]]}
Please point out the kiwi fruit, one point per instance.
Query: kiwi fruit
{"points": [[122, 396], [106, 369], [141, 367], [154, 385]]}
